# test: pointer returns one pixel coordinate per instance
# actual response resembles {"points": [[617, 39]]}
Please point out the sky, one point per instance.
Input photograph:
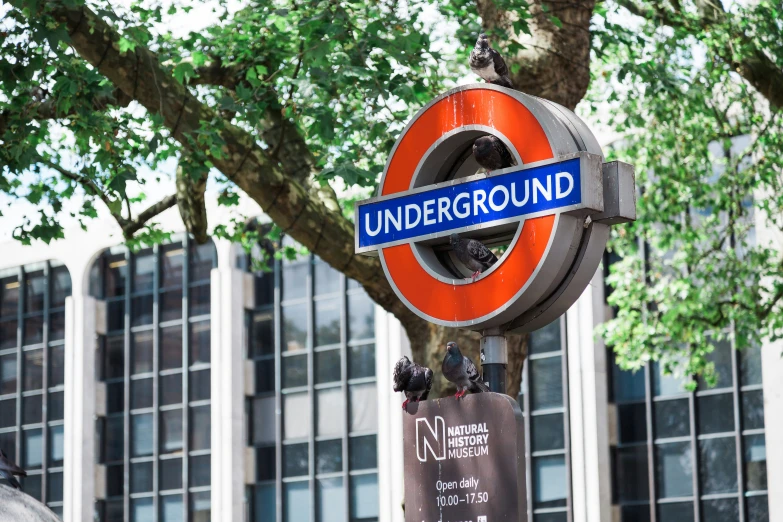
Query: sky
{"points": [[180, 24]]}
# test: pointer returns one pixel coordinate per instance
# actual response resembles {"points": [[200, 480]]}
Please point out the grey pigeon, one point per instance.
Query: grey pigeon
{"points": [[491, 153], [8, 469], [461, 371], [487, 63], [473, 254], [413, 379]]}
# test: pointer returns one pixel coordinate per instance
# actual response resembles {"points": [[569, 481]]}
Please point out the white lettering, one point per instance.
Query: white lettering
{"points": [[428, 211], [539, 188], [390, 217], [563, 193], [367, 228], [443, 209], [408, 209], [465, 207], [504, 191], [479, 197], [514, 199]]}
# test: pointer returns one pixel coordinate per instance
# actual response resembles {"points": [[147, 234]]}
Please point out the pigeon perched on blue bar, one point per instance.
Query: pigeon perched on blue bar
{"points": [[413, 379], [461, 371], [473, 254], [487, 63], [491, 153], [8, 469]]}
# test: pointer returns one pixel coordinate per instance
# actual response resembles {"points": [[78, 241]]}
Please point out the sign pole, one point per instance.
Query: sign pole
{"points": [[494, 358]]}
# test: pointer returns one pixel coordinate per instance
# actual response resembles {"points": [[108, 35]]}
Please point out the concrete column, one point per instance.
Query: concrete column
{"points": [[80, 452], [588, 396], [228, 389], [390, 345]]}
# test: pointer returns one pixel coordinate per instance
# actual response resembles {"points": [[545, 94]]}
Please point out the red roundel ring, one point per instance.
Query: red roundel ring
{"points": [[543, 247]]}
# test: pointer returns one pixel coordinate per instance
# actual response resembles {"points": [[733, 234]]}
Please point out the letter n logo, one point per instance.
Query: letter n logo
{"points": [[430, 439]]}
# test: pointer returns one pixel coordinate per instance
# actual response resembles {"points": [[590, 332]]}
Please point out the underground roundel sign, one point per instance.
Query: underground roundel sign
{"points": [[551, 211]]}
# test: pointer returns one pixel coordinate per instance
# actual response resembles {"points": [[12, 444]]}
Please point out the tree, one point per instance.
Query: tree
{"points": [[283, 101]]}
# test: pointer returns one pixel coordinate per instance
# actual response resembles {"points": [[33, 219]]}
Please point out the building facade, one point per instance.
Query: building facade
{"points": [[176, 383]]}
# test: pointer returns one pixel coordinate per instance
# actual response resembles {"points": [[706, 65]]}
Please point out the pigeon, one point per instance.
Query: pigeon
{"points": [[461, 371], [413, 379], [473, 254], [491, 153], [8, 469], [487, 63]]}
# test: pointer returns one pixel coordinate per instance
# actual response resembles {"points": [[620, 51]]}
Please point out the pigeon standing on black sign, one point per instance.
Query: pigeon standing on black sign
{"points": [[413, 379], [8, 469], [491, 153], [461, 371], [487, 63], [473, 254]]}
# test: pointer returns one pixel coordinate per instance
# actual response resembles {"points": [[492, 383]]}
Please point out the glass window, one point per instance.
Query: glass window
{"points": [[750, 365], [265, 287], [8, 418], [170, 474], [364, 496], [294, 280], [141, 477], [549, 479], [327, 366], [33, 330], [673, 471], [199, 385], [295, 327], [171, 508], [60, 287], [547, 432], [9, 297], [115, 310], [171, 305], [327, 322], [671, 419], [663, 385], [32, 448], [200, 342], [142, 510], [56, 446], [141, 352], [113, 438], [170, 431], [114, 357], [143, 271], [264, 502], [31, 485], [676, 512], [329, 456], [546, 339], [115, 481], [199, 300], [265, 463], [141, 393], [35, 287], [32, 409], [715, 413], [546, 388], [141, 435], [56, 406], [295, 460], [200, 506], [327, 279], [8, 334], [200, 428], [632, 420], [331, 501], [330, 410], [632, 473], [295, 371], [202, 260], [296, 416], [54, 488], [755, 457], [171, 264], [720, 510], [200, 470], [361, 361], [170, 389], [364, 407], [361, 316], [171, 347], [32, 370], [296, 501], [116, 275], [56, 326], [8, 373], [56, 366], [721, 358], [141, 310], [262, 334], [718, 465], [752, 410], [263, 427], [758, 508], [363, 452]]}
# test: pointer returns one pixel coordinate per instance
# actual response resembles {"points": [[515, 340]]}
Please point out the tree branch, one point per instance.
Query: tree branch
{"points": [[133, 226], [287, 202]]}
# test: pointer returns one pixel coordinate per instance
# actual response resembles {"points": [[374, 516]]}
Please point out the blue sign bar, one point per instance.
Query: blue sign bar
{"points": [[505, 197]]}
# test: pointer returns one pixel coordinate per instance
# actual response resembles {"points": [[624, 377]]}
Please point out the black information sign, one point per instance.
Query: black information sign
{"points": [[464, 460]]}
